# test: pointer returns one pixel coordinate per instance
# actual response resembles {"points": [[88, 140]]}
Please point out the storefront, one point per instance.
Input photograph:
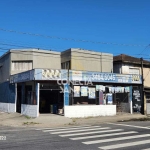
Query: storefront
{"points": [[100, 92], [74, 93]]}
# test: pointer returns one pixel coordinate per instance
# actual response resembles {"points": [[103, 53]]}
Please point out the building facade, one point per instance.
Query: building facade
{"points": [[17, 61], [125, 64], [76, 83], [86, 60]]}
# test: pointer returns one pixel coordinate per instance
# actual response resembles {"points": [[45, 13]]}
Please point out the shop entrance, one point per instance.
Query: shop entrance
{"points": [[122, 102], [19, 97], [51, 101]]}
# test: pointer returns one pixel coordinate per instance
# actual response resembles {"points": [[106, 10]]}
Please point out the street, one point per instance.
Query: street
{"points": [[121, 135]]}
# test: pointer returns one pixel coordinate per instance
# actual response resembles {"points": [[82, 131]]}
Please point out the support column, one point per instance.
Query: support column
{"points": [[22, 93], [130, 100], [145, 105], [66, 96], [37, 97], [15, 97]]}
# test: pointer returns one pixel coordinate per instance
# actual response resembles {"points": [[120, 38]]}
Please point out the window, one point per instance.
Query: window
{"points": [[21, 65], [65, 65], [134, 71]]}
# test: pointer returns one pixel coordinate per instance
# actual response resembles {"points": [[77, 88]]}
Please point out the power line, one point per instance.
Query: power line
{"points": [[6, 44], [70, 39], [27, 47], [145, 49], [23, 46], [30, 45]]}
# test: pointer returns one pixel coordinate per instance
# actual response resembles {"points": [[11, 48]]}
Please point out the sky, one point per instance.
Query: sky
{"points": [[112, 26]]}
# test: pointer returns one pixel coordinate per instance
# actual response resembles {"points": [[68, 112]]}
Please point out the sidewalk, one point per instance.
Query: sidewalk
{"points": [[52, 120]]}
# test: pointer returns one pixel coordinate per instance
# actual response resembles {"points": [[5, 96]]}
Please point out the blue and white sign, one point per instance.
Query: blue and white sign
{"points": [[51, 74], [105, 77], [92, 93], [22, 77], [109, 98]]}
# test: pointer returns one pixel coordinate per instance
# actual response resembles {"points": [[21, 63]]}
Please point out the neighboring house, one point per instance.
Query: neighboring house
{"points": [[125, 64], [86, 60]]}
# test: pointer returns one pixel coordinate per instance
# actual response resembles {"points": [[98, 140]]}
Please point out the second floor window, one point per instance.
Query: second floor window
{"points": [[21, 65], [65, 65]]}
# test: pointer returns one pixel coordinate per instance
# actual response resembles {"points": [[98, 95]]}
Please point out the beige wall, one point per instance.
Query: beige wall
{"points": [[39, 58], [51, 60], [146, 75], [88, 60], [124, 69]]}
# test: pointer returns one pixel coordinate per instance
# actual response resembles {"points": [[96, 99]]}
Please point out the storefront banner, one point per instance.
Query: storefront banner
{"points": [[22, 77], [116, 89], [84, 91], [110, 90], [104, 77], [119, 90], [109, 98], [51, 74], [113, 89], [100, 88], [97, 87], [127, 89], [76, 91], [122, 89], [75, 75], [92, 93]]}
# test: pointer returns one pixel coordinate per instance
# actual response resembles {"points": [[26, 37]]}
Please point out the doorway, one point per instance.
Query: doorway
{"points": [[19, 97], [51, 101]]}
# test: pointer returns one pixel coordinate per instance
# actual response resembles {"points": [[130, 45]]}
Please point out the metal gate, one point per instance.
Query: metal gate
{"points": [[147, 103], [122, 102]]}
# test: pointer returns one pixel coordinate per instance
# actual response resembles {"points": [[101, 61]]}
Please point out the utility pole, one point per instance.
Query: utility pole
{"points": [[142, 94]]}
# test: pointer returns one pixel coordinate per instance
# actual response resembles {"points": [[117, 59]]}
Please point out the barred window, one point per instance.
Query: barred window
{"points": [[134, 71], [21, 65]]}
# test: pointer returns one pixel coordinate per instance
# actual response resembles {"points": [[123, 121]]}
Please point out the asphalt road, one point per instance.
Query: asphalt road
{"points": [[122, 135]]}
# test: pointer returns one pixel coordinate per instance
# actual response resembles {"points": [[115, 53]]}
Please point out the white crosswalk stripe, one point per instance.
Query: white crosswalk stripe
{"points": [[63, 127], [117, 139], [70, 129], [95, 132], [103, 135], [125, 145], [98, 135]]}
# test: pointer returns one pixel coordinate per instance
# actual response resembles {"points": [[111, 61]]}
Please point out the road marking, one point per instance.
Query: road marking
{"points": [[82, 130], [146, 149], [129, 125], [11, 130], [63, 127], [71, 128], [104, 135], [116, 139], [125, 144], [65, 135]]}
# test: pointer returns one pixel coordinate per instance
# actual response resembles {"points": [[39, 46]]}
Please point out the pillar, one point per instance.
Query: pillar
{"points": [[37, 97], [130, 100]]}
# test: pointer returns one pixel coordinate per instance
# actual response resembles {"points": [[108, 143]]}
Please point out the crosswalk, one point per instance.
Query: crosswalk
{"points": [[105, 138]]}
